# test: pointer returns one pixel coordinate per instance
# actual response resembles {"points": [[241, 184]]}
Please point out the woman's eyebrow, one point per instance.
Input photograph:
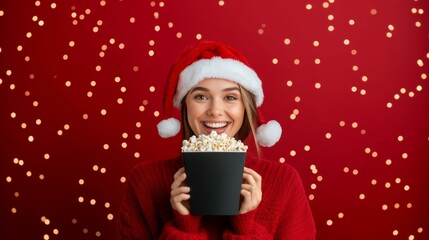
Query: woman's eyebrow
{"points": [[199, 89], [231, 89]]}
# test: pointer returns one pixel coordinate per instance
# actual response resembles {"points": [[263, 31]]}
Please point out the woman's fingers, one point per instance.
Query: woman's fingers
{"points": [[250, 190], [179, 194]]}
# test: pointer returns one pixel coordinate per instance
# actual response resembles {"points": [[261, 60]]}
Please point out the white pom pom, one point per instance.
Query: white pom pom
{"points": [[268, 134], [168, 128]]}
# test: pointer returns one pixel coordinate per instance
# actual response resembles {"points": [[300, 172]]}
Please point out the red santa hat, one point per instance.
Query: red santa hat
{"points": [[208, 59]]}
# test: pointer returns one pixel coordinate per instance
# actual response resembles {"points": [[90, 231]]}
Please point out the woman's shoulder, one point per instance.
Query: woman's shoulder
{"points": [[152, 167], [272, 167]]}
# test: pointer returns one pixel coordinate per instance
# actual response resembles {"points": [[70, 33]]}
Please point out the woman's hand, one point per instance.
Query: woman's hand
{"points": [[251, 190], [179, 195]]}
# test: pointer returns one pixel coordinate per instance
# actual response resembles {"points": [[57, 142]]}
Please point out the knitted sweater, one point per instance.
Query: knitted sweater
{"points": [[146, 212]]}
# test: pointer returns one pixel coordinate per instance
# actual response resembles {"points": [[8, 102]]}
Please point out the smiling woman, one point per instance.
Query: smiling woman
{"points": [[216, 90], [215, 105]]}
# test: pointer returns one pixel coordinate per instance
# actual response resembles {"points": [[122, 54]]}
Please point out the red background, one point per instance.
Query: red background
{"points": [[81, 84]]}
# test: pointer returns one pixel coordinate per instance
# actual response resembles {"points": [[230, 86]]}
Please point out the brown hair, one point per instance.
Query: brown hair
{"points": [[249, 120]]}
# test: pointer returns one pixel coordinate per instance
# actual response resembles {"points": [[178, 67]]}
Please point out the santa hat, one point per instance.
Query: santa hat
{"points": [[209, 59]]}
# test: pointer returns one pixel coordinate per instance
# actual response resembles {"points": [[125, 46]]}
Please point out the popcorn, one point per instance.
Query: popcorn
{"points": [[213, 143]]}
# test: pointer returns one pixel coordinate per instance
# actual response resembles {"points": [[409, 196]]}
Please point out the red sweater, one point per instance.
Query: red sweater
{"points": [[146, 212]]}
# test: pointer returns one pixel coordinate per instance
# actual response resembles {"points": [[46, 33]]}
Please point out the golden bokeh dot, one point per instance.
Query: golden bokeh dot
{"points": [[311, 197], [152, 89], [80, 199], [374, 154], [317, 85], [329, 222], [389, 105], [292, 153], [30, 138], [388, 162], [373, 182], [296, 61], [328, 135], [103, 170], [292, 116], [289, 83], [400, 138], [198, 36], [156, 114], [138, 124], [361, 196], [405, 155], [418, 24], [346, 169], [297, 99], [124, 145], [355, 68], [307, 148], [98, 234], [317, 61], [95, 168], [55, 231], [179, 35], [109, 216], [355, 172], [103, 112], [396, 206], [406, 188], [41, 176], [89, 94], [308, 6], [319, 178], [275, 61], [29, 174], [120, 101], [123, 179], [384, 207], [330, 17], [282, 160], [106, 146], [286, 41], [81, 181], [316, 43], [313, 186], [387, 185], [340, 215], [354, 89], [137, 136], [325, 5], [397, 180], [389, 35], [395, 232], [137, 155], [221, 3], [85, 116], [85, 230], [331, 28], [92, 202], [363, 92], [8, 179], [141, 108], [373, 11], [170, 24], [409, 205]]}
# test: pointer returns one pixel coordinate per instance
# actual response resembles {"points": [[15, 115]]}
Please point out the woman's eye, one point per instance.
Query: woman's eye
{"points": [[200, 97], [231, 98]]}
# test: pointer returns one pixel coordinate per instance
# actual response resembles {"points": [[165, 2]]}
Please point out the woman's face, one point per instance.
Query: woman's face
{"points": [[215, 105]]}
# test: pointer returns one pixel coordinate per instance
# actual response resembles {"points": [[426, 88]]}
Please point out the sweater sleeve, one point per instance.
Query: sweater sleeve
{"points": [[138, 216], [296, 221], [244, 227]]}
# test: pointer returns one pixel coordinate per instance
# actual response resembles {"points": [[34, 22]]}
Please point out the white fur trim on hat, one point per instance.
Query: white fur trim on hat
{"points": [[218, 67], [268, 134], [168, 127]]}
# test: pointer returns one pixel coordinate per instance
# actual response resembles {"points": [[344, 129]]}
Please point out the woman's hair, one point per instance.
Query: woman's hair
{"points": [[249, 120]]}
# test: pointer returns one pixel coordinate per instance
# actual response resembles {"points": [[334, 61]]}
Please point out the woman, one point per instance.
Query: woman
{"points": [[216, 90]]}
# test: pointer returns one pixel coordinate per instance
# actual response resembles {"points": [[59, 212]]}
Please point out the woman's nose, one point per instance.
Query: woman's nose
{"points": [[215, 108]]}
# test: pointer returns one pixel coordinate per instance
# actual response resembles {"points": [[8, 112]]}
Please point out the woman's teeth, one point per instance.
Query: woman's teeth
{"points": [[215, 125]]}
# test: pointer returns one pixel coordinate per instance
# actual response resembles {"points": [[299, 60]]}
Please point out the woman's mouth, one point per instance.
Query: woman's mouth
{"points": [[219, 127]]}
